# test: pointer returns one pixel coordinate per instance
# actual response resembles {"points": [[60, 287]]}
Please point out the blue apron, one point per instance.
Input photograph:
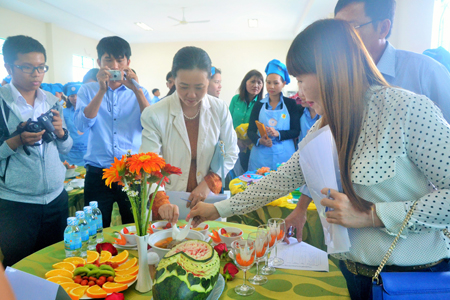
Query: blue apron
{"points": [[80, 142], [281, 151]]}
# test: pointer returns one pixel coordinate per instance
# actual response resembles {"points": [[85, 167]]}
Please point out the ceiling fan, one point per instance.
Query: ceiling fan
{"points": [[184, 22]]}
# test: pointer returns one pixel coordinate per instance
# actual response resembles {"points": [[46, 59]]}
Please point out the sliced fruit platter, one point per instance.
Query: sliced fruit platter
{"points": [[97, 276]]}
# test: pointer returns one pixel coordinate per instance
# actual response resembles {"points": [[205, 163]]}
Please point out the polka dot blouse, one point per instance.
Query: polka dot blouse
{"points": [[402, 155]]}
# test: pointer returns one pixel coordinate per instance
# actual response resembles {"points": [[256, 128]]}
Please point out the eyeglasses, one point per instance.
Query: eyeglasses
{"points": [[359, 26], [30, 70]]}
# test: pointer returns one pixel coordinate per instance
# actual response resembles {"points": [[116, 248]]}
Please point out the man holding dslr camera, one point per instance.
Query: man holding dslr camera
{"points": [[33, 202]]}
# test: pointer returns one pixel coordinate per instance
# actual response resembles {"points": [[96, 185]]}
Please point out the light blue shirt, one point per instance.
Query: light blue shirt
{"points": [[417, 73], [80, 142], [154, 100], [306, 122], [116, 128]]}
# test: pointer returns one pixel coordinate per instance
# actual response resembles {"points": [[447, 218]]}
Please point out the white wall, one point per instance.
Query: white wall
{"points": [[59, 43], [412, 31], [234, 58], [413, 25]]}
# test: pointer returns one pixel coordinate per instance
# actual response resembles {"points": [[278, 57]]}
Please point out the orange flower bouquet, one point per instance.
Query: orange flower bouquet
{"points": [[136, 173]]}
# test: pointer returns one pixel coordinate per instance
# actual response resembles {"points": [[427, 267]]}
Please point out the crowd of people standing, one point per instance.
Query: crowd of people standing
{"points": [[387, 109]]}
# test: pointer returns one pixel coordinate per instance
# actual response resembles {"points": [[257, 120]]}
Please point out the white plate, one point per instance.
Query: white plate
{"points": [[68, 188], [129, 284], [126, 246], [217, 290], [72, 175], [77, 183]]}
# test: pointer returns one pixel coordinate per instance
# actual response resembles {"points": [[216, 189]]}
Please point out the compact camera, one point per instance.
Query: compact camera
{"points": [[115, 75]]}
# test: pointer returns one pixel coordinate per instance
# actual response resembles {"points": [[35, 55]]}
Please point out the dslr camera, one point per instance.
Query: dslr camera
{"points": [[43, 122]]}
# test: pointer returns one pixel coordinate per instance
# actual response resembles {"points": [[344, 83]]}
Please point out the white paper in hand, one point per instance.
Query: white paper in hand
{"points": [[320, 167]]}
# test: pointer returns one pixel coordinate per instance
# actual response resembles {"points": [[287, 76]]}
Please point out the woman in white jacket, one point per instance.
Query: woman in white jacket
{"points": [[185, 128]]}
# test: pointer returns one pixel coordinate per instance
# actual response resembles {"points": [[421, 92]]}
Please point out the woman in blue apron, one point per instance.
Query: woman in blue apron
{"points": [[280, 116], [80, 139]]}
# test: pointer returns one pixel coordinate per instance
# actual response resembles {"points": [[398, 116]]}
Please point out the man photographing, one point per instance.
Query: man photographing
{"points": [[111, 109], [33, 202]]}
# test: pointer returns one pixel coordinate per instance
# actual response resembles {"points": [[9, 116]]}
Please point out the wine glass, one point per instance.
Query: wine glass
{"points": [[271, 237], [261, 238], [244, 256], [279, 226]]}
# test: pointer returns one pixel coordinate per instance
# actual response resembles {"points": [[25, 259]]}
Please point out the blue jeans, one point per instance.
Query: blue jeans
{"points": [[360, 287]]}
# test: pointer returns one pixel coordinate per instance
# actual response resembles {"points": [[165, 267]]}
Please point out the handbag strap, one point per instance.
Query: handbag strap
{"points": [[394, 243], [222, 152]]}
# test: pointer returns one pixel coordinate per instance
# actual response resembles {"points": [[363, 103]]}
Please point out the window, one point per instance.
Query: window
{"points": [[80, 66], [441, 32], [3, 72]]}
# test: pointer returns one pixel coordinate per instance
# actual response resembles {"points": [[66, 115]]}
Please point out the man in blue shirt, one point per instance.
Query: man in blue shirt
{"points": [[156, 95], [411, 71], [111, 110]]}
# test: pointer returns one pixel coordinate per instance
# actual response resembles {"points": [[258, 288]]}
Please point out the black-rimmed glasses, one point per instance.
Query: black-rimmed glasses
{"points": [[30, 70], [359, 26]]}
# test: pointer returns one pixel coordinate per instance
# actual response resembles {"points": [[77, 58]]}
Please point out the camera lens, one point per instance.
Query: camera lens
{"points": [[33, 127]]}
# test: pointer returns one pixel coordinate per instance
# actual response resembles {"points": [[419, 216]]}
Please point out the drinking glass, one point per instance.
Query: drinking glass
{"points": [[244, 256], [279, 226], [271, 237], [261, 238]]}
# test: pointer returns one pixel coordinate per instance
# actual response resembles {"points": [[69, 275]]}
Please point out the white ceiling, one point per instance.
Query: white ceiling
{"points": [[277, 19]]}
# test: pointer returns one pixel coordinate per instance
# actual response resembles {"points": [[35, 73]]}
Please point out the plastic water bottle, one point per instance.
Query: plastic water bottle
{"points": [[72, 238], [98, 214], [92, 223], [84, 229]]}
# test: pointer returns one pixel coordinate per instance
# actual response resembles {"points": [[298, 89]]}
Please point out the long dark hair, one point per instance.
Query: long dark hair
{"points": [[243, 94], [189, 58], [67, 100], [333, 51]]}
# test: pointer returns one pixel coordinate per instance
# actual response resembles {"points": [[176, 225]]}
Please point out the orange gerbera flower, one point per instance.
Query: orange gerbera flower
{"points": [[115, 173], [169, 169], [147, 162]]}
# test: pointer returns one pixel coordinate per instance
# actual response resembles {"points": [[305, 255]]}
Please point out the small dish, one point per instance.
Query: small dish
{"points": [[130, 236], [68, 188], [228, 240], [158, 225]]}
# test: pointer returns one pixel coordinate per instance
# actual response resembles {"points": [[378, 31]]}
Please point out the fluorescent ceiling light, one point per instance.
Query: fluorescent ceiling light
{"points": [[144, 26], [252, 23]]}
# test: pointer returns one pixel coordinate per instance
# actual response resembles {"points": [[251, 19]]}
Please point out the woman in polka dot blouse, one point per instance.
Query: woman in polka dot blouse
{"points": [[393, 149]]}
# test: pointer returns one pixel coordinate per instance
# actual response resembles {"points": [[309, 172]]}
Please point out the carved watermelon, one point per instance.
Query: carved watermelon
{"points": [[188, 271]]}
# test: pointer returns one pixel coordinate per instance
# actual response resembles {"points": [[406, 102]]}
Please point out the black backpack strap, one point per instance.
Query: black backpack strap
{"points": [[4, 117], [4, 132]]}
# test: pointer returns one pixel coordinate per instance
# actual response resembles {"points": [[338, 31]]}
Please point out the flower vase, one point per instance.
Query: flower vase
{"points": [[144, 281]]}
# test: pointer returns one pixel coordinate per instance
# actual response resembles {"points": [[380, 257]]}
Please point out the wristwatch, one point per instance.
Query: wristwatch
{"points": [[65, 136]]}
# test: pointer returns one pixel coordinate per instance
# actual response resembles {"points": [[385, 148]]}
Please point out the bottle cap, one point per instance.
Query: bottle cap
{"points": [[87, 209], [93, 204], [71, 221], [79, 214]]}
